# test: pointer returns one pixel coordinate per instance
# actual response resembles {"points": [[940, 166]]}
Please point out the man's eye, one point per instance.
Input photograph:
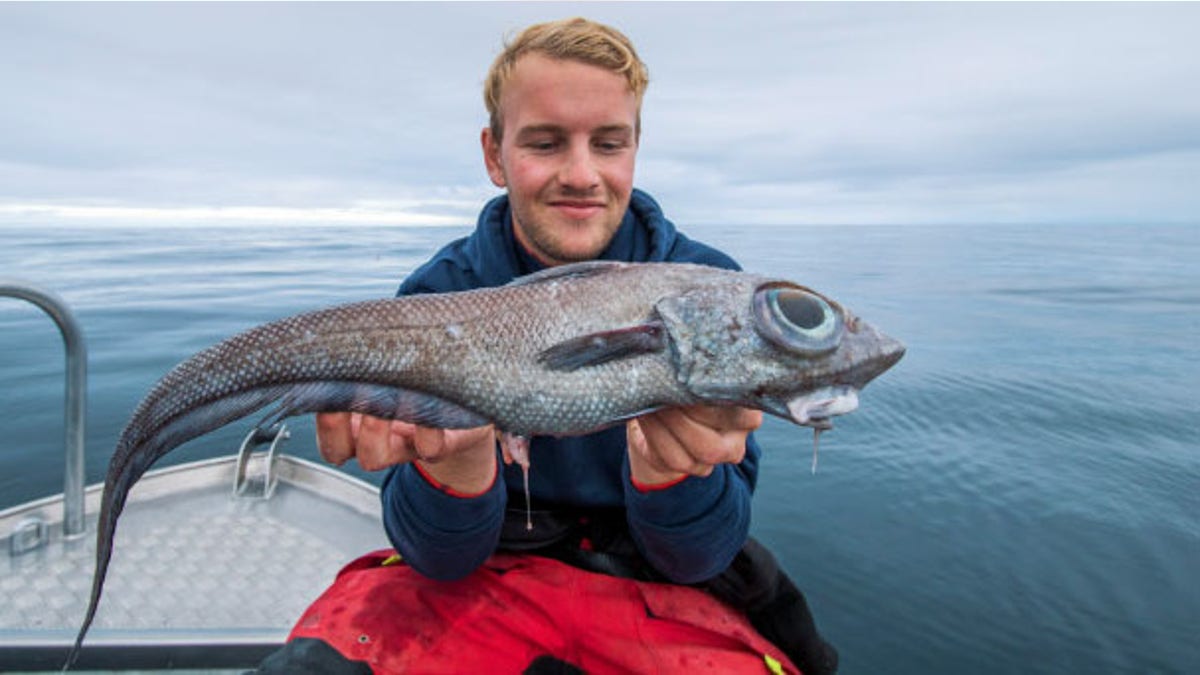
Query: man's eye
{"points": [[611, 146], [541, 146]]}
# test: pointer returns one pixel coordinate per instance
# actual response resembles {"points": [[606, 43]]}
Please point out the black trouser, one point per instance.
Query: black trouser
{"points": [[755, 584]]}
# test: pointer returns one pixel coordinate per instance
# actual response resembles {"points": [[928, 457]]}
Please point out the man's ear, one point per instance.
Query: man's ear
{"points": [[491, 157]]}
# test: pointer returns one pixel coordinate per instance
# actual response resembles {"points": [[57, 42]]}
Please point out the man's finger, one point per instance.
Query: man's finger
{"points": [[429, 444], [690, 445], [722, 418], [433, 444], [335, 439], [666, 449], [377, 447], [642, 458]]}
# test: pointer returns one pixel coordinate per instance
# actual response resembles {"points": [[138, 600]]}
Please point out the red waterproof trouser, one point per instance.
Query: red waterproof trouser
{"points": [[517, 608]]}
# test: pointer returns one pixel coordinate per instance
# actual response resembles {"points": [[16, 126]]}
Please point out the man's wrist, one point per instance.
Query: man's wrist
{"points": [[646, 478], [467, 474]]}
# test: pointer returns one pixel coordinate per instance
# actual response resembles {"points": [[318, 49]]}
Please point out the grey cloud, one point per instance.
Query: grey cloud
{"points": [[842, 111]]}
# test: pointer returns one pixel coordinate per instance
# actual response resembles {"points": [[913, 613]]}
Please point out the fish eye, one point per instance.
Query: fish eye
{"points": [[802, 310], [797, 320]]}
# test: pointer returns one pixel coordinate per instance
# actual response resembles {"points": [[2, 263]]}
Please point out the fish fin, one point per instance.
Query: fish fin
{"points": [[572, 271], [377, 400], [594, 349]]}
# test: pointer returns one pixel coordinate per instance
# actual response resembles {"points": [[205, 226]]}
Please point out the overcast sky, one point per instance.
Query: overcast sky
{"points": [[308, 113]]}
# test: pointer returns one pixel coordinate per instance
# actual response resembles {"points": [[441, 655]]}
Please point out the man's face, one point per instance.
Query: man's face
{"points": [[566, 157]]}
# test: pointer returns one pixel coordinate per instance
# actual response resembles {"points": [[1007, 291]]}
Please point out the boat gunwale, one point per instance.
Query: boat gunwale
{"points": [[325, 482]]}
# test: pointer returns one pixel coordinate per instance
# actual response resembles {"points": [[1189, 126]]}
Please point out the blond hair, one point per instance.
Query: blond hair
{"points": [[575, 39]]}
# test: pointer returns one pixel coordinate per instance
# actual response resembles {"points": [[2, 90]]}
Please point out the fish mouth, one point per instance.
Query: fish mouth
{"points": [[878, 353], [814, 408]]}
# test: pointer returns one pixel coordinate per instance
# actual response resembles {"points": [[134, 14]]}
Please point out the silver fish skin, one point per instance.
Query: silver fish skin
{"points": [[565, 351]]}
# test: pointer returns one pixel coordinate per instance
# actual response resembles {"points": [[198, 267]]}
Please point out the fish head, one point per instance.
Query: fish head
{"points": [[778, 347]]}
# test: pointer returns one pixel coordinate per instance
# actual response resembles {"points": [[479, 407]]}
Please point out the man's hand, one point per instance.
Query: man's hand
{"points": [[461, 459], [668, 444]]}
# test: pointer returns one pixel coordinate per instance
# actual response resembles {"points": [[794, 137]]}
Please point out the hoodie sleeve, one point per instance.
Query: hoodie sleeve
{"points": [[691, 531], [439, 533]]}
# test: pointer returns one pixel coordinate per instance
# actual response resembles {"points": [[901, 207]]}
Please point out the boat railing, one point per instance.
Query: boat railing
{"points": [[188, 600], [76, 396]]}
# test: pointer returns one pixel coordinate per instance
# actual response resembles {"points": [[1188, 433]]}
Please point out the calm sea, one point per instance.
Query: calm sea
{"points": [[1020, 494]]}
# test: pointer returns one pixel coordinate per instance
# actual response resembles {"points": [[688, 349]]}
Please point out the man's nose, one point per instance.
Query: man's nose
{"points": [[579, 171]]}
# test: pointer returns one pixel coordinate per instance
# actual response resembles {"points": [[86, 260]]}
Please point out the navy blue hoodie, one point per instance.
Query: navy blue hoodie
{"points": [[689, 531]]}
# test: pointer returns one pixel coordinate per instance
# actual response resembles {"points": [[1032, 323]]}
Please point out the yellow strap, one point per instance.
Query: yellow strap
{"points": [[391, 560], [773, 665]]}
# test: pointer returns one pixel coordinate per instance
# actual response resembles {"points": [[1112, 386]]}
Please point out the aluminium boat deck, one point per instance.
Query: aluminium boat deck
{"points": [[200, 578]]}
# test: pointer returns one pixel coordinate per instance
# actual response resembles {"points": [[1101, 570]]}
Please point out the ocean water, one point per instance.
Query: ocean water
{"points": [[1020, 494]]}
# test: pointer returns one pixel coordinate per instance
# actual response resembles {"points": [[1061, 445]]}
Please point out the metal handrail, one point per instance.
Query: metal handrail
{"points": [[76, 396]]}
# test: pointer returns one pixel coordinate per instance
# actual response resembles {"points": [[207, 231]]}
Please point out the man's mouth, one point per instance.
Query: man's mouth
{"points": [[577, 209]]}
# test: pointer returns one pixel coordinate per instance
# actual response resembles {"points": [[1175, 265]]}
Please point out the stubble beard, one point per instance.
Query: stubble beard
{"points": [[548, 242]]}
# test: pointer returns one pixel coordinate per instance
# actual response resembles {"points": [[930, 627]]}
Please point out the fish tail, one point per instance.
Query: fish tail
{"points": [[111, 505], [142, 443], [282, 362]]}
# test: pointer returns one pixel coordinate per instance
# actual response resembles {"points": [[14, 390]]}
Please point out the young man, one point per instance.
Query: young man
{"points": [[665, 497]]}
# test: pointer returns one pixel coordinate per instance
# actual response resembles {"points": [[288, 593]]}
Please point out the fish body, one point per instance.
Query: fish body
{"points": [[562, 352]]}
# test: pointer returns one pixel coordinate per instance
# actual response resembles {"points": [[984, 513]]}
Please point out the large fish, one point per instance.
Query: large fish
{"points": [[562, 352]]}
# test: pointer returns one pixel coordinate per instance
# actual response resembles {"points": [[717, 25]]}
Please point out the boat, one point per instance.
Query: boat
{"points": [[213, 560]]}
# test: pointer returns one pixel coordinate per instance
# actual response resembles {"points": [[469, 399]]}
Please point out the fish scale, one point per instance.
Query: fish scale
{"points": [[565, 351]]}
